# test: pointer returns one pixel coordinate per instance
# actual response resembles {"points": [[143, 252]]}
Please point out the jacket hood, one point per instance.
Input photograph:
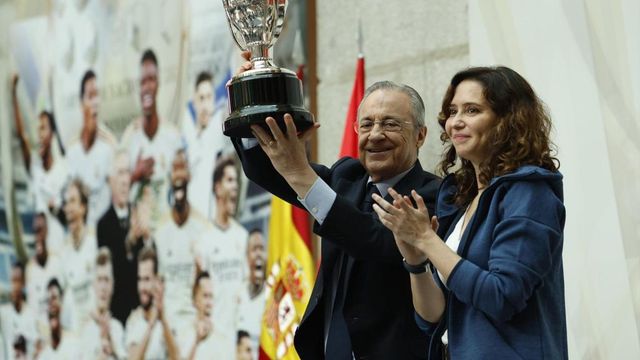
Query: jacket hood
{"points": [[446, 206]]}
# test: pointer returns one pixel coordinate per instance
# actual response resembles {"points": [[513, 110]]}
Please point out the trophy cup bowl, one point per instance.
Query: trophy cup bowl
{"points": [[265, 90]]}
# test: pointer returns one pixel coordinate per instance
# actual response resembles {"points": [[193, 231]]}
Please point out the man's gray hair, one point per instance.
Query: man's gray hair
{"points": [[118, 153], [417, 105]]}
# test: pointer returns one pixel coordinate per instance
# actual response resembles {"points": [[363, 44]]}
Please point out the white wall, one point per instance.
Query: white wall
{"points": [[417, 42]]}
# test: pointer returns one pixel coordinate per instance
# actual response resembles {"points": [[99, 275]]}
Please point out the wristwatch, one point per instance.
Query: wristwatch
{"points": [[416, 269]]}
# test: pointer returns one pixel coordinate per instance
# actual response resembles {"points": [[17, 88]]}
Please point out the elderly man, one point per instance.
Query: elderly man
{"points": [[361, 302], [116, 233]]}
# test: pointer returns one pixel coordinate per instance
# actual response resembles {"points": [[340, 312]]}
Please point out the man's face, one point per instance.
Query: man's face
{"points": [[148, 87], [90, 103], [40, 234], [256, 258], [244, 350], [180, 179], [104, 286], [17, 283], [146, 282], [203, 300], [54, 301], [120, 180], [385, 154], [45, 134], [73, 208], [203, 103], [226, 189]]}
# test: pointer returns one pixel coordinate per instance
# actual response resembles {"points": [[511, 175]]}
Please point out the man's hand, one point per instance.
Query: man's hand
{"points": [[158, 299], [143, 169], [410, 225], [287, 152], [246, 65], [203, 328]]}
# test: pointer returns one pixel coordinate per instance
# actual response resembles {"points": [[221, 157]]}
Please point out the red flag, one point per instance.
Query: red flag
{"points": [[350, 137]]}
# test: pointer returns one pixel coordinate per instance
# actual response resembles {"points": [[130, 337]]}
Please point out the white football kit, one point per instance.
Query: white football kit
{"points": [[223, 254]]}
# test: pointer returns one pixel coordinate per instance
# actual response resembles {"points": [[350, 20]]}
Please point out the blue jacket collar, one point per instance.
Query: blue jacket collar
{"points": [[446, 206]]}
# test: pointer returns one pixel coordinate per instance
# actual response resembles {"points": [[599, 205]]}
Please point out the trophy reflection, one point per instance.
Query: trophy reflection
{"points": [[265, 90]]}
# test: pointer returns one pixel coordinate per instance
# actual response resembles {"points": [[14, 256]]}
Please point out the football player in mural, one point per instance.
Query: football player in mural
{"points": [[202, 131], [175, 241], [89, 157], [201, 338], [62, 344], [151, 143], [222, 252], [147, 334], [17, 319], [244, 351], [46, 167], [253, 298], [40, 269], [80, 252], [103, 336]]}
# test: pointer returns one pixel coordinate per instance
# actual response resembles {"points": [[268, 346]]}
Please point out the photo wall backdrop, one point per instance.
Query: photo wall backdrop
{"points": [[120, 194]]}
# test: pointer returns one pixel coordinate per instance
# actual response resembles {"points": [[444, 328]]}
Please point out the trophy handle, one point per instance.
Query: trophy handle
{"points": [[234, 32], [281, 9]]}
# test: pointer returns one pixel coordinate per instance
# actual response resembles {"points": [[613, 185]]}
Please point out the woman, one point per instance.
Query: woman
{"points": [[496, 286]]}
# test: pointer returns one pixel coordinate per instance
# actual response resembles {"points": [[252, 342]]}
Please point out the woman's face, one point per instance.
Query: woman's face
{"points": [[45, 133], [469, 122]]}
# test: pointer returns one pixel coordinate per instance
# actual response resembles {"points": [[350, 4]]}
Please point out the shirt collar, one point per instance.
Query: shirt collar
{"points": [[384, 185], [121, 213]]}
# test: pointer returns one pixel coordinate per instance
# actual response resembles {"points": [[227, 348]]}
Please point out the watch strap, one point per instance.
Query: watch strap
{"points": [[416, 269]]}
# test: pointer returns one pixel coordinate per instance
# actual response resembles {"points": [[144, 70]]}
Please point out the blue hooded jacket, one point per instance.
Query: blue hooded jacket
{"points": [[505, 298]]}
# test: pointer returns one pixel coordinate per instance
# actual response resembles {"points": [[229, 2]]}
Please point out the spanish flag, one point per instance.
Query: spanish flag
{"points": [[290, 278]]}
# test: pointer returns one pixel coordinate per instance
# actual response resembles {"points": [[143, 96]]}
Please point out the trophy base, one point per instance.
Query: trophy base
{"points": [[253, 98]]}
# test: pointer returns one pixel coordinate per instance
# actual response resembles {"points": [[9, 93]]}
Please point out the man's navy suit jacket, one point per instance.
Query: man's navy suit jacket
{"points": [[378, 308]]}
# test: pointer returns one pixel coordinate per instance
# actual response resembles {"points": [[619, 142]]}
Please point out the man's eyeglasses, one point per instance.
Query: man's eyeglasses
{"points": [[389, 125]]}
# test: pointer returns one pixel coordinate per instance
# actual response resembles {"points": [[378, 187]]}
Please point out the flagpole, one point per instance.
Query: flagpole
{"points": [[359, 39]]}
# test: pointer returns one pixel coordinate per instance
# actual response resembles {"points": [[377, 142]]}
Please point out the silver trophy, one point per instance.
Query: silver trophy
{"points": [[266, 90]]}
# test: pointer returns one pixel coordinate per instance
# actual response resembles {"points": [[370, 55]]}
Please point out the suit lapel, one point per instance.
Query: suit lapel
{"points": [[411, 181], [353, 191]]}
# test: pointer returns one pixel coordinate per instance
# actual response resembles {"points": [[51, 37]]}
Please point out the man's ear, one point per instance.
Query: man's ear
{"points": [[421, 136]]}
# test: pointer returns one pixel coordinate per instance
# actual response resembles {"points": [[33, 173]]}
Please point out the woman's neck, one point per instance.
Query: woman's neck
{"points": [[479, 183]]}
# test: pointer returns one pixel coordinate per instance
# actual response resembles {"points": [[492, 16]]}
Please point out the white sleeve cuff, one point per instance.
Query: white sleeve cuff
{"points": [[249, 143], [319, 200]]}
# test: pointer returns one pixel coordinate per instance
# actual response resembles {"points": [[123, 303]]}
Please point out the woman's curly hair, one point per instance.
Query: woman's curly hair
{"points": [[519, 137]]}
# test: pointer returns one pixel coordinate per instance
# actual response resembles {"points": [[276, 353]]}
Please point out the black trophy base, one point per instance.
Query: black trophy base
{"points": [[254, 97]]}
